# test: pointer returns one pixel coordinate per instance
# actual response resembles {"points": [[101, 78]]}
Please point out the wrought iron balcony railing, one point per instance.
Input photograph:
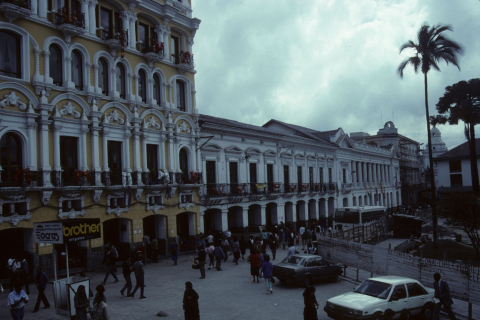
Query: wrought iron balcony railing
{"points": [[64, 16]]}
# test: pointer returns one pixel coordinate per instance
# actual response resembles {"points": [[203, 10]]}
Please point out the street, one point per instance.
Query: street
{"points": [[227, 294]]}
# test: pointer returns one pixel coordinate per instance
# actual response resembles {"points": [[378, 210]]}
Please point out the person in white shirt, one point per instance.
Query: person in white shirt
{"points": [[302, 231], [16, 302]]}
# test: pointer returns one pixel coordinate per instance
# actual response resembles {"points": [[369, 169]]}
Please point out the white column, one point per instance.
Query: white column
{"points": [[190, 45], [92, 19], [280, 212], [32, 145], [83, 148], [105, 151], [44, 146], [144, 153], [46, 64], [126, 148], [86, 13], [225, 220], [42, 8], [245, 217], [166, 41], [34, 7], [136, 152], [262, 215], [56, 147], [202, 222], [131, 31], [95, 149]]}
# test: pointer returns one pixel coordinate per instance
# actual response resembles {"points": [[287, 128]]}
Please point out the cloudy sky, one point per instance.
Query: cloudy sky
{"points": [[325, 64]]}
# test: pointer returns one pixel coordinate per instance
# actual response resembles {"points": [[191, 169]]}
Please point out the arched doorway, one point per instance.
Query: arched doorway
{"points": [[301, 219], [271, 215], [322, 209], [117, 231], [235, 219], [16, 243], [155, 226], [212, 221], [186, 231], [255, 215]]}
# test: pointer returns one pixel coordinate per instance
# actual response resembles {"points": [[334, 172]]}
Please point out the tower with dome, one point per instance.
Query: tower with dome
{"points": [[438, 146]]}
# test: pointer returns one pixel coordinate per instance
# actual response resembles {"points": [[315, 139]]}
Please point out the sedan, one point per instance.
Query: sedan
{"points": [[388, 297], [306, 268]]}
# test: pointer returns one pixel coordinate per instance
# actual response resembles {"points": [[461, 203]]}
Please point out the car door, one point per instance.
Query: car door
{"points": [[311, 268], [417, 297], [325, 270], [398, 300]]}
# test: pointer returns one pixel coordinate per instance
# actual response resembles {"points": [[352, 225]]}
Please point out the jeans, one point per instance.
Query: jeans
{"points": [[219, 263], [140, 284], [110, 271], [268, 284], [17, 314], [41, 297], [128, 283], [202, 268]]}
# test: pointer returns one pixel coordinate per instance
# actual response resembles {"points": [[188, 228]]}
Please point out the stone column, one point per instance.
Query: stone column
{"points": [[225, 219], [263, 215], [86, 13], [364, 172], [34, 7], [42, 8], [46, 65], [280, 212], [91, 17], [202, 222], [190, 45], [136, 152], [32, 144], [56, 147], [131, 31], [95, 149], [105, 150], [83, 146], [144, 153]]}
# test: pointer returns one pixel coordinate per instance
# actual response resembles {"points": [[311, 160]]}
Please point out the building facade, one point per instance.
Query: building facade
{"points": [[97, 119], [283, 172], [411, 173]]}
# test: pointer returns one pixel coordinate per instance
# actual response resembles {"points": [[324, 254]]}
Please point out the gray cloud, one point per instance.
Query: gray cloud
{"points": [[327, 64]]}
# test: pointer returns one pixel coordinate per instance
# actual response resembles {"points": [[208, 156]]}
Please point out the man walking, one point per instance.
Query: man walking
{"points": [[109, 259], [139, 277], [154, 245], [41, 281], [219, 256], [16, 302], [442, 293], [24, 275], [202, 256], [126, 275]]}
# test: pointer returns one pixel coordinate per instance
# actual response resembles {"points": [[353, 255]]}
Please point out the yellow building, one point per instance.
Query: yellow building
{"points": [[97, 120]]}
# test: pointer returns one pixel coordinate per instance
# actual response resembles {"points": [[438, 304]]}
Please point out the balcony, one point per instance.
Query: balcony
{"points": [[154, 52], [238, 189], [20, 178], [116, 41], [274, 187], [347, 187], [290, 188], [112, 177], [185, 62], [190, 178], [72, 177], [15, 9], [70, 23], [304, 187]]}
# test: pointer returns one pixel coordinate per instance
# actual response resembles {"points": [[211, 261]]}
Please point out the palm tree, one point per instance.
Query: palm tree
{"points": [[431, 48]]}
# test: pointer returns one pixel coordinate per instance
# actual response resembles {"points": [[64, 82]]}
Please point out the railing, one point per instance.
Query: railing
{"points": [[63, 16], [304, 187], [120, 35], [274, 187], [26, 4], [190, 178], [155, 47], [216, 190], [20, 178], [257, 188], [290, 188], [112, 177], [238, 189], [186, 57]]}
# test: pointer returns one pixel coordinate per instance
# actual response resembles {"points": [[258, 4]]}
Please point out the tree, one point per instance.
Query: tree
{"points": [[463, 208], [431, 48], [461, 101]]}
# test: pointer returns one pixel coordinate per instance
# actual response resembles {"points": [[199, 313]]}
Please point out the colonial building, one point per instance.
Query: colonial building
{"points": [[283, 172], [411, 173], [97, 119], [452, 169]]}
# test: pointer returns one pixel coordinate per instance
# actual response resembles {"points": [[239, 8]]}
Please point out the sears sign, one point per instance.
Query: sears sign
{"points": [[48, 232]]}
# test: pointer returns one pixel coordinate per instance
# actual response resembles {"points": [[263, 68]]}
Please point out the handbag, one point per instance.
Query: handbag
{"points": [[195, 264]]}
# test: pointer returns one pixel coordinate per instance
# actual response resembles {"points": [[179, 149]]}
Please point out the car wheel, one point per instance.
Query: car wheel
{"points": [[307, 281], [377, 316], [427, 311], [406, 315], [388, 315]]}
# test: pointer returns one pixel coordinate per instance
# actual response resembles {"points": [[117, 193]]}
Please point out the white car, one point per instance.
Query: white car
{"points": [[380, 298]]}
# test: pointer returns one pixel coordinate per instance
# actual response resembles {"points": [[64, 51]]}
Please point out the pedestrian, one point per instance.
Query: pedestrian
{"points": [[12, 274], [210, 239], [126, 270], [82, 304], [16, 302], [148, 245], [41, 281], [219, 256], [267, 270], [23, 274], [291, 249], [257, 245], [225, 247], [264, 237], [302, 236], [139, 277], [235, 250], [83, 274], [100, 292], [251, 241], [311, 304], [154, 245], [210, 252], [174, 251], [273, 246], [228, 236], [110, 260], [442, 293], [100, 309], [254, 260], [202, 256], [190, 302], [201, 243], [243, 246], [286, 237]]}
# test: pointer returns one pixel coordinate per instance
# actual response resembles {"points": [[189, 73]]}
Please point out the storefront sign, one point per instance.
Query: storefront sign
{"points": [[65, 231], [48, 232], [81, 229]]}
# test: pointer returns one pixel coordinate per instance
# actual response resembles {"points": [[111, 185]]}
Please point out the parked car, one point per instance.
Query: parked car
{"points": [[255, 231], [306, 268], [388, 297]]}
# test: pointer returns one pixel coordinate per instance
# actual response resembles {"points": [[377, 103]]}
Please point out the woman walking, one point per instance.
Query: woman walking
{"points": [[311, 304], [126, 275], [225, 247], [210, 251], [190, 302], [273, 246], [243, 247], [254, 260], [82, 304], [174, 250], [267, 269], [235, 250]]}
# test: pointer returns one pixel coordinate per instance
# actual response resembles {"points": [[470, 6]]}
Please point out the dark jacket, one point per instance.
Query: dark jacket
{"points": [[41, 280], [443, 293], [202, 255], [190, 305], [267, 269], [218, 253], [126, 268], [310, 310]]}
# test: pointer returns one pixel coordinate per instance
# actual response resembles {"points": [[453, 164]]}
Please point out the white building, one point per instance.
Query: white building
{"points": [[282, 172]]}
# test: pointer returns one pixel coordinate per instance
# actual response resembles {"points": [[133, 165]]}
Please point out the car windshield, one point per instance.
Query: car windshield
{"points": [[374, 288], [293, 260]]}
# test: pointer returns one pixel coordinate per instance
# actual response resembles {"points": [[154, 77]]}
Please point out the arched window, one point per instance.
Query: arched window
{"points": [[56, 61], [121, 80], [77, 70], [10, 54], [142, 85], [157, 88], [184, 162], [180, 95], [103, 75], [10, 155]]}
